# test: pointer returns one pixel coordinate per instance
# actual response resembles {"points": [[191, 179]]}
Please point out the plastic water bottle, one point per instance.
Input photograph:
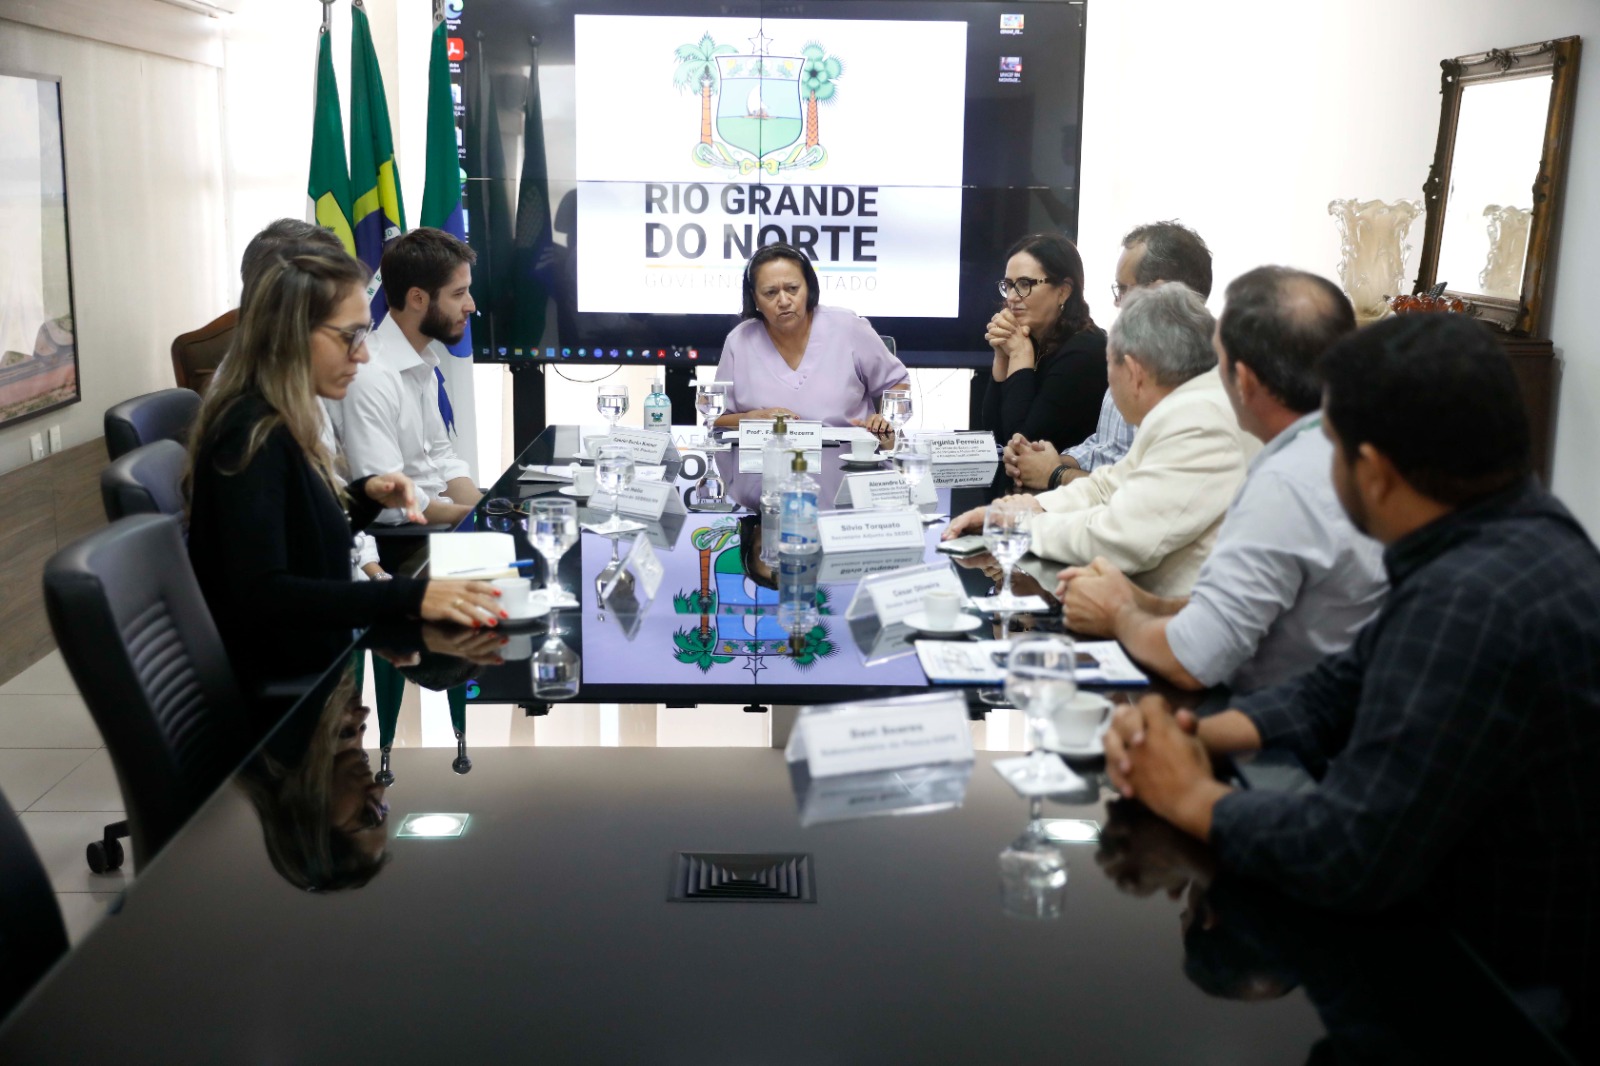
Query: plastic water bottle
{"points": [[657, 407], [774, 470], [799, 552]]}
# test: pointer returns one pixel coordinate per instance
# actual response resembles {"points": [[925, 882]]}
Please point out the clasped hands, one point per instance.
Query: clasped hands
{"points": [[1010, 340], [1030, 463], [1156, 756]]}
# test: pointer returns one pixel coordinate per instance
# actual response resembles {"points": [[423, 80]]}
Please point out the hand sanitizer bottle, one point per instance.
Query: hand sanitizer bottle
{"points": [[774, 470], [657, 407], [799, 554]]}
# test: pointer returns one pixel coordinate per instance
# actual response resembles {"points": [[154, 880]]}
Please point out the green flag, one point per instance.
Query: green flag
{"points": [[329, 183], [442, 176], [530, 257], [378, 216]]}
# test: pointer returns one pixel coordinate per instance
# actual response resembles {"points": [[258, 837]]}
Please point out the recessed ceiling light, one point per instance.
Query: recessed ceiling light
{"points": [[433, 825]]}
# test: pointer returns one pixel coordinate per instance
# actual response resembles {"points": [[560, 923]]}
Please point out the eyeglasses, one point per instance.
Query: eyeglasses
{"points": [[354, 337], [1022, 286], [1118, 292]]}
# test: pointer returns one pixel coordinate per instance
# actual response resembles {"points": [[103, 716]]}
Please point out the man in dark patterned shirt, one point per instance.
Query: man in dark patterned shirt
{"points": [[1457, 741]]}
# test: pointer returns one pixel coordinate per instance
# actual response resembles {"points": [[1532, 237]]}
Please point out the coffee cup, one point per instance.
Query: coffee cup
{"points": [[516, 598], [942, 608], [583, 483], [863, 448], [1078, 723]]}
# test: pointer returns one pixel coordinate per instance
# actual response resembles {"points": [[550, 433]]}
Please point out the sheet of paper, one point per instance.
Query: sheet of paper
{"points": [[561, 472], [476, 556], [1017, 605], [846, 434]]}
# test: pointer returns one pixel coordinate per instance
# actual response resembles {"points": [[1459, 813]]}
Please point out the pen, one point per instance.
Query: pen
{"points": [[480, 569]]}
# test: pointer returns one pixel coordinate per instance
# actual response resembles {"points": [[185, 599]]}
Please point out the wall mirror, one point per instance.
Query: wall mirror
{"points": [[1494, 189]]}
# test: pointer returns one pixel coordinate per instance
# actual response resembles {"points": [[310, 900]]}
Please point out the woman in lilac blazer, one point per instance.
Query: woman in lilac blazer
{"points": [[790, 356]]}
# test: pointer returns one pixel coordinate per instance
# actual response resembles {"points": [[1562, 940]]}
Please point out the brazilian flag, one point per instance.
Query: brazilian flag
{"points": [[379, 216], [443, 176], [329, 183]]}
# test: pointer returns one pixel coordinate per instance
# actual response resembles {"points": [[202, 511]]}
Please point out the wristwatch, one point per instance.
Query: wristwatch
{"points": [[1055, 476]]}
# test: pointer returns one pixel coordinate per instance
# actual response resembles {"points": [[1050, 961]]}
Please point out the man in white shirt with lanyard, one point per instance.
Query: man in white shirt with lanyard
{"points": [[390, 417]]}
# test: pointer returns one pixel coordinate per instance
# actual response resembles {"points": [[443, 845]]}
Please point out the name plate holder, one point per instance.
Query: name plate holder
{"points": [[960, 447], [642, 499], [883, 488], [897, 595], [753, 435], [930, 729], [847, 531], [647, 446]]}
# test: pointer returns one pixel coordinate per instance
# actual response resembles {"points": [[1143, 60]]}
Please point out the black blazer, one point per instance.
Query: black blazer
{"points": [[271, 549], [1058, 400]]}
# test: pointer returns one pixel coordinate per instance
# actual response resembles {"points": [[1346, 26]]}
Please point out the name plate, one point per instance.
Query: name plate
{"points": [[645, 445], [753, 435], [845, 531], [883, 488], [860, 738], [642, 499], [896, 597], [857, 565], [974, 447]]}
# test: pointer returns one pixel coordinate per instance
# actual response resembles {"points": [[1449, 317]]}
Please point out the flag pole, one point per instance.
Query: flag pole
{"points": [[327, 15]]}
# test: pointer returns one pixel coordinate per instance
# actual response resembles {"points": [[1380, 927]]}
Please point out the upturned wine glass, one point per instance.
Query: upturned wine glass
{"points": [[1007, 532]]}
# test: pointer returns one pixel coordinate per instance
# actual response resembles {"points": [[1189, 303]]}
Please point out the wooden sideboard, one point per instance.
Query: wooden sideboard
{"points": [[1535, 364]]}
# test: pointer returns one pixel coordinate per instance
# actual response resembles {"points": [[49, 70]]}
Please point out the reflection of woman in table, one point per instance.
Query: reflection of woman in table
{"points": [[323, 816], [1049, 373], [794, 357]]}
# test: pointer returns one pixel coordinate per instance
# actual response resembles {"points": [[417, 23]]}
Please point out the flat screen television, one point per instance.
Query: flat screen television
{"points": [[623, 158]]}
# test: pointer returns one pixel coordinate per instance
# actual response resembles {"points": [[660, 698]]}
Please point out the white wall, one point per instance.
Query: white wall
{"points": [[1243, 118], [146, 211]]}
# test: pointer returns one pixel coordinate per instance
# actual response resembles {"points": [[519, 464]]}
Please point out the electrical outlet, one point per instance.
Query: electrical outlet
{"points": [[55, 439], [36, 446]]}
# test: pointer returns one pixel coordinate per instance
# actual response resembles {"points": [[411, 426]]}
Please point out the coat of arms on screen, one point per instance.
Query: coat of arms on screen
{"points": [[738, 618], [757, 109]]}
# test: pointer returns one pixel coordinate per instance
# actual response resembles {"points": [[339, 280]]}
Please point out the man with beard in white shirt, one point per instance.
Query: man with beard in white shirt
{"points": [[390, 418]]}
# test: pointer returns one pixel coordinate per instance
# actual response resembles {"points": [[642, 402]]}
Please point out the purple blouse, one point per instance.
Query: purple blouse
{"points": [[843, 372]]}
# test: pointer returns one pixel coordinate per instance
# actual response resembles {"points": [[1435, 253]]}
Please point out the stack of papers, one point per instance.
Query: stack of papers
{"points": [[472, 556], [982, 662]]}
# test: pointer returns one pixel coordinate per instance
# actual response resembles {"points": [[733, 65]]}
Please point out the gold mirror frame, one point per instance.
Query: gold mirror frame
{"points": [[1559, 58]]}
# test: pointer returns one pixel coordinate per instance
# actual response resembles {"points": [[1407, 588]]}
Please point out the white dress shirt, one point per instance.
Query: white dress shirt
{"points": [[1155, 513], [389, 419]]}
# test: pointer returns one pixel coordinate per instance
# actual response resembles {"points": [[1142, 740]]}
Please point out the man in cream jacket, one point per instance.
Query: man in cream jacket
{"points": [[1154, 515]]}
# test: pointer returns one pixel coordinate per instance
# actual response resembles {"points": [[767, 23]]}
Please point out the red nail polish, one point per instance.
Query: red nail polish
{"points": [[475, 623], [504, 615]]}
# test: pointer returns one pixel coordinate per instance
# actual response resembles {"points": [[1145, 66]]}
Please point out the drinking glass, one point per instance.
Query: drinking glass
{"points": [[1041, 680], [711, 401], [612, 402], [1006, 532], [553, 528], [895, 407], [913, 462], [613, 473]]}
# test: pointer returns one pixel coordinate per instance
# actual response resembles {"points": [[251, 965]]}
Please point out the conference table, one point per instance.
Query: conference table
{"points": [[554, 904]]}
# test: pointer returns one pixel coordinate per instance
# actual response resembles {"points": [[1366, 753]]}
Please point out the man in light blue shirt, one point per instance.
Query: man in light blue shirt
{"points": [[1153, 253], [1289, 580]]}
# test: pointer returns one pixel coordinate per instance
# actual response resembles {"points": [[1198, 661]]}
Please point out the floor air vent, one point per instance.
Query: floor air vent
{"points": [[700, 877]]}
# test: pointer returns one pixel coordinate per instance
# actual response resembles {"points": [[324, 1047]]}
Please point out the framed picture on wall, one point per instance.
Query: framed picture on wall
{"points": [[38, 341]]}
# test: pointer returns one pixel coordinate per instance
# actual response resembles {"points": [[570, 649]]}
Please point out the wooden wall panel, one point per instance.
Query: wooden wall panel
{"points": [[48, 504]]}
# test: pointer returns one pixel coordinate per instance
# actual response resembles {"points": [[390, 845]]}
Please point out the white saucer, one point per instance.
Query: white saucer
{"points": [[541, 607], [572, 490], [965, 623], [872, 460]]}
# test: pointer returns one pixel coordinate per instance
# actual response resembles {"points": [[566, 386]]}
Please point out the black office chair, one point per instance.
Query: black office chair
{"points": [[32, 937], [148, 480], [131, 624], [164, 415]]}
